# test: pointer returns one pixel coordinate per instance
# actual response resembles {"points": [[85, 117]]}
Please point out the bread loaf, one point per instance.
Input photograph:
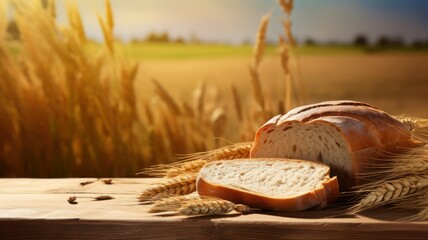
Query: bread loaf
{"points": [[273, 184], [348, 136]]}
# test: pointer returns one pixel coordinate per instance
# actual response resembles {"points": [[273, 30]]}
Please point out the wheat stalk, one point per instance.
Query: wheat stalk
{"points": [[218, 121], [386, 192], [237, 102], [109, 15], [166, 97], [185, 168], [207, 207], [233, 152], [175, 169], [52, 8], [199, 99], [421, 215], [259, 46], [197, 205], [180, 185], [192, 163], [418, 202], [414, 161]]}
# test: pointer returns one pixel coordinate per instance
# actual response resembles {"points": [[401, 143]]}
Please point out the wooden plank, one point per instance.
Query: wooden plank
{"points": [[38, 208]]}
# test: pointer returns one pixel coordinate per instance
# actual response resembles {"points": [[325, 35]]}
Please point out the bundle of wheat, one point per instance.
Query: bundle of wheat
{"points": [[402, 179]]}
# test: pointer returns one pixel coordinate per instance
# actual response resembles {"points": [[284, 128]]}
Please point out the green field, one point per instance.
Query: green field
{"points": [[162, 51], [152, 51], [173, 51]]}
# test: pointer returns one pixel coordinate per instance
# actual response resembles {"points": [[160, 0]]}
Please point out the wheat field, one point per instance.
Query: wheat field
{"points": [[68, 109], [395, 82]]}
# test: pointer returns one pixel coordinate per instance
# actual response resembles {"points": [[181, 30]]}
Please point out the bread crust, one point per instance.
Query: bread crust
{"points": [[370, 133], [327, 192]]}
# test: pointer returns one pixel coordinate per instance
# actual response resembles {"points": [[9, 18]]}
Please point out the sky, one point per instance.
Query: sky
{"points": [[235, 21]]}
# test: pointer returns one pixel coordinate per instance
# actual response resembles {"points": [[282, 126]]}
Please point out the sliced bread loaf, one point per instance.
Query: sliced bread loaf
{"points": [[272, 184], [346, 135]]}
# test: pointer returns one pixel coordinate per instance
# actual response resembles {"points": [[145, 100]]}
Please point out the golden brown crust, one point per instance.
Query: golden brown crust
{"points": [[370, 133], [384, 130], [327, 192]]}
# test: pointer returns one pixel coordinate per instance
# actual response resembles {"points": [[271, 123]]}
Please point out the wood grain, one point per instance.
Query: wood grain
{"points": [[38, 209]]}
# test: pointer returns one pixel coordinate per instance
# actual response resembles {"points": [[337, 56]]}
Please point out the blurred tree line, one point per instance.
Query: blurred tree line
{"points": [[382, 42]]}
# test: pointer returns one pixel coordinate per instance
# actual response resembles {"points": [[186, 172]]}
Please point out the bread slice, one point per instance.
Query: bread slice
{"points": [[272, 184], [346, 135]]}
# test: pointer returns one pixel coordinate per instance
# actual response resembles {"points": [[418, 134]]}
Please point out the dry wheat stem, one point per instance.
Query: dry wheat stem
{"points": [[287, 29], [421, 215], [237, 102], [180, 185], [385, 192], [199, 97], [166, 97], [235, 151], [414, 161], [175, 169], [418, 202], [257, 88], [186, 168]]}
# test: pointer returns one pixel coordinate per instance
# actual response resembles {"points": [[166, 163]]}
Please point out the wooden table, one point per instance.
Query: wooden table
{"points": [[38, 208]]}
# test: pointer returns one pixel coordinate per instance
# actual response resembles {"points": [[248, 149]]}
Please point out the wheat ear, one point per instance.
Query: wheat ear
{"points": [[207, 207], [180, 185], [196, 205], [171, 203], [390, 191]]}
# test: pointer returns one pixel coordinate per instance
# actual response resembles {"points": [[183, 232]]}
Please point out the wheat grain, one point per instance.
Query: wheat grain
{"points": [[207, 207], [103, 198], [180, 185], [386, 192]]}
